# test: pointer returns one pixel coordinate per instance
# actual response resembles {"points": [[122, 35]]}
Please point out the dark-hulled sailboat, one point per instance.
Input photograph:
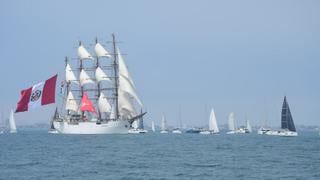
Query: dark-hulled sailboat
{"points": [[287, 125]]}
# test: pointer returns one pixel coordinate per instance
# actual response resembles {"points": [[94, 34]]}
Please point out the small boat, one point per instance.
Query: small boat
{"points": [[164, 129], [263, 130], [176, 131], [213, 126], [193, 131], [12, 123], [137, 127], [288, 128]]}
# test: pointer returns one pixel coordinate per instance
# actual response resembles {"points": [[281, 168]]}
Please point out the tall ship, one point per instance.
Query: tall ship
{"points": [[99, 95], [288, 128]]}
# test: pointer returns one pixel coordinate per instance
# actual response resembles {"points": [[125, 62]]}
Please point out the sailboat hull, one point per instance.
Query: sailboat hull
{"points": [[110, 127], [284, 133]]}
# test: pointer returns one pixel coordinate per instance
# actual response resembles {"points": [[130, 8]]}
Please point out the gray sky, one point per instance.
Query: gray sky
{"points": [[240, 56]]}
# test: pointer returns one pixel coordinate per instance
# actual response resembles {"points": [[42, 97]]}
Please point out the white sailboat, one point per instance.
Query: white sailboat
{"points": [[231, 124], [137, 127], [12, 123], [178, 130], [111, 91], [288, 128], [248, 128], [153, 128], [164, 125], [213, 126]]}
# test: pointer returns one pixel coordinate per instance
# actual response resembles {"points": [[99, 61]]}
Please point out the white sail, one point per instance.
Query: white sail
{"points": [[112, 113], [125, 81], [85, 78], [153, 127], [12, 123], [71, 103], [126, 107], [249, 126], [123, 69], [70, 77], [126, 86], [213, 126], [103, 104], [101, 76], [231, 122], [83, 53], [163, 123], [101, 51]]}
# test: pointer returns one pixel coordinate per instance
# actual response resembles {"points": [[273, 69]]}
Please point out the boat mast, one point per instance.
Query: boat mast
{"points": [[98, 84], [81, 87], [115, 68], [68, 83]]}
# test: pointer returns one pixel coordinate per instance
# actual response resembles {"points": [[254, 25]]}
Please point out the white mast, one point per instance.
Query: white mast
{"points": [[12, 123]]}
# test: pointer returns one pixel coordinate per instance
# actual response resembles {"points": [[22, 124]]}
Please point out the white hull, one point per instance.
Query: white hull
{"points": [[238, 131], [176, 132], [13, 131], [164, 132], [262, 131], [53, 132], [110, 127], [284, 133], [137, 131], [208, 132]]}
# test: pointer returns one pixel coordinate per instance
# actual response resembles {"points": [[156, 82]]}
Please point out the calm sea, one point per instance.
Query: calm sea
{"points": [[38, 155]]}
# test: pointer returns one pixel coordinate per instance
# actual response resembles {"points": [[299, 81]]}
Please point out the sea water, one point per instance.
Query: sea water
{"points": [[39, 155]]}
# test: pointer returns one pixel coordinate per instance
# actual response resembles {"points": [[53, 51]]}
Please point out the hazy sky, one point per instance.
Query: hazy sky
{"points": [[237, 56]]}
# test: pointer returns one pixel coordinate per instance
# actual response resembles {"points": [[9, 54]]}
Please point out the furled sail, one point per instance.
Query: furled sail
{"points": [[103, 104], [70, 77], [83, 53], [213, 126], [101, 51], [101, 76], [231, 122], [71, 103], [85, 78]]}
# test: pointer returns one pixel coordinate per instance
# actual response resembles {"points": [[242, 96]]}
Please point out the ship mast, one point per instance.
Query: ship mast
{"points": [[115, 67], [98, 84], [68, 83], [81, 87]]}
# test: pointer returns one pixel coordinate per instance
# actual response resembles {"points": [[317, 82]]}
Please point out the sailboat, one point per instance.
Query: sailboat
{"points": [[153, 127], [164, 125], [106, 91], [12, 123], [231, 124], [248, 127], [178, 130], [213, 126], [137, 127], [52, 130], [288, 128]]}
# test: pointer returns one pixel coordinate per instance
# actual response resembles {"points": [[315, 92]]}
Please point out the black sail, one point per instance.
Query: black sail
{"points": [[286, 117]]}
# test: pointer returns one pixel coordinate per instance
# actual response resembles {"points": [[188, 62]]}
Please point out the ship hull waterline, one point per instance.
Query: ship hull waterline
{"points": [[110, 127]]}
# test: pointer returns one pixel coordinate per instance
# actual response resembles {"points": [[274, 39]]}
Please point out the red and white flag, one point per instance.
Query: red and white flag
{"points": [[38, 95]]}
